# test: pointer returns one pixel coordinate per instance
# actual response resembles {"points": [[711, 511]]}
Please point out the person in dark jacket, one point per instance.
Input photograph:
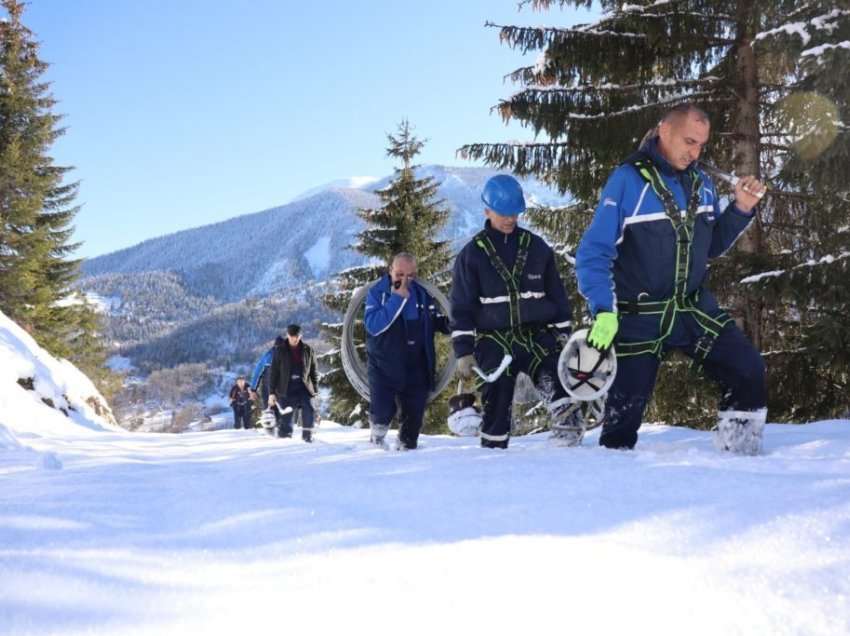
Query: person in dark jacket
{"points": [[293, 380], [262, 372], [240, 401], [507, 298], [401, 320], [642, 267]]}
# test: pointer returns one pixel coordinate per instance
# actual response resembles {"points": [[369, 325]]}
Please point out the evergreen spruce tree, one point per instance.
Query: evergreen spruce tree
{"points": [[409, 220], [596, 89], [411, 217], [37, 275], [806, 287]]}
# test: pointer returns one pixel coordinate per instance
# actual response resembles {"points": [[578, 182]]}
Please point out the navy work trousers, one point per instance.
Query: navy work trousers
{"points": [[298, 398], [540, 362], [733, 363], [410, 402]]}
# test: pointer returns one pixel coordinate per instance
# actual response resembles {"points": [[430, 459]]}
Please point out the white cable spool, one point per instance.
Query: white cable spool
{"points": [[353, 365]]}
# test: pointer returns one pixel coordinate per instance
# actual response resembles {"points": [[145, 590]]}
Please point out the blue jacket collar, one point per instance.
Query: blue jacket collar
{"points": [[650, 149], [496, 236]]}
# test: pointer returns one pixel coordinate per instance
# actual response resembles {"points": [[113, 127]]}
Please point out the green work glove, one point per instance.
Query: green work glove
{"points": [[604, 329]]}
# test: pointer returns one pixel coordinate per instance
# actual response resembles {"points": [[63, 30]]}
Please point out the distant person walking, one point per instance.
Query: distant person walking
{"points": [[262, 372], [293, 380], [240, 402]]}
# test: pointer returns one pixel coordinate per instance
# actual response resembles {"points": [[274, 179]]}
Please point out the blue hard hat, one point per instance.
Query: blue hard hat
{"points": [[503, 195]]}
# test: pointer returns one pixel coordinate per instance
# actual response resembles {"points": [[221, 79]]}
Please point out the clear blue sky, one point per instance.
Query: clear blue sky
{"points": [[182, 113]]}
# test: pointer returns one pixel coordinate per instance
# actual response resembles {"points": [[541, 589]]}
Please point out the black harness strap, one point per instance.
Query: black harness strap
{"points": [[517, 333], [510, 277], [683, 225]]}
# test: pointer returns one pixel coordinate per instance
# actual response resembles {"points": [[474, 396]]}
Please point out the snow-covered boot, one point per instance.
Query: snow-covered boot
{"points": [[404, 446], [568, 423], [740, 431], [378, 433]]}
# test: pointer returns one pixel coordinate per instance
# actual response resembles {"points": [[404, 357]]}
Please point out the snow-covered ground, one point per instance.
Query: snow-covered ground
{"points": [[115, 533], [108, 532]]}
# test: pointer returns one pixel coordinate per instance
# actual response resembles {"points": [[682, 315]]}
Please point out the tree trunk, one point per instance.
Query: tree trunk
{"points": [[746, 154]]}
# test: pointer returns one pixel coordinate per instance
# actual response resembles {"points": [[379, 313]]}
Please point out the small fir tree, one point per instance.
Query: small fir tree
{"points": [[409, 220]]}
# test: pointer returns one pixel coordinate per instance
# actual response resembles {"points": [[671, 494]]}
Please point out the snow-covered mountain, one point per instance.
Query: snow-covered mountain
{"points": [[254, 254], [295, 244], [216, 294]]}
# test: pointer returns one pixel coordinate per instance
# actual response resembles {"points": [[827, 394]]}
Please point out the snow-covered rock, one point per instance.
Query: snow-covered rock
{"points": [[43, 395]]}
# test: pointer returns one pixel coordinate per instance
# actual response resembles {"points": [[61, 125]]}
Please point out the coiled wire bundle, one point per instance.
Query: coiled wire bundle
{"points": [[353, 364]]}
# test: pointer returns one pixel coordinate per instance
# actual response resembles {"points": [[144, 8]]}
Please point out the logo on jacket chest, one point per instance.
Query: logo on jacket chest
{"points": [[535, 276]]}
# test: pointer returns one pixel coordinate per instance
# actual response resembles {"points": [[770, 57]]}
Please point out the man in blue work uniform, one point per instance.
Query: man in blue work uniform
{"points": [[401, 320], [642, 267], [508, 299]]}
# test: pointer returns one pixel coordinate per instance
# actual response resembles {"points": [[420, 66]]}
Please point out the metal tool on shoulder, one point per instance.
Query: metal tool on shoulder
{"points": [[728, 177]]}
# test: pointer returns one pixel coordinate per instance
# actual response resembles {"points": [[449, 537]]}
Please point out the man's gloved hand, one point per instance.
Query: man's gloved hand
{"points": [[604, 329], [563, 337], [464, 367]]}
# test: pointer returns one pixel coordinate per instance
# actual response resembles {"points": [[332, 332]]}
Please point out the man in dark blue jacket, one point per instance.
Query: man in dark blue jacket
{"points": [[401, 319], [642, 267], [508, 299]]}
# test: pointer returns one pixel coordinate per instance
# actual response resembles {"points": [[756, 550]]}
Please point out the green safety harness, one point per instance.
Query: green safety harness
{"points": [[516, 334], [680, 301]]}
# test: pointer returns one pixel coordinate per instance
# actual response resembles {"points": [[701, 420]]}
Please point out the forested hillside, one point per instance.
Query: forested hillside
{"points": [[155, 321]]}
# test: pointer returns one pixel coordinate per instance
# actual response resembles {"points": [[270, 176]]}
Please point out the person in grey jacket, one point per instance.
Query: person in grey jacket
{"points": [[294, 379]]}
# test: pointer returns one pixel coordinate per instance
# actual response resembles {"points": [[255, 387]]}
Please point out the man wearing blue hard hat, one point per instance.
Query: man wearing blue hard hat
{"points": [[507, 299]]}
